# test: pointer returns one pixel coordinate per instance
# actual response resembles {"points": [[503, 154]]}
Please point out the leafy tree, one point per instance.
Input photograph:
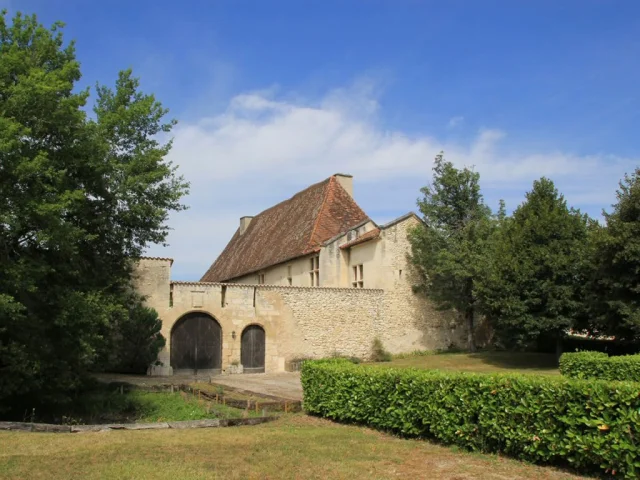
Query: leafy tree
{"points": [[448, 248], [134, 340], [79, 197], [616, 260], [535, 269]]}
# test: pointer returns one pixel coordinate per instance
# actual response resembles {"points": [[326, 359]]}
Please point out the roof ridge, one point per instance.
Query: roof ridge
{"points": [[290, 229], [293, 196], [319, 215]]}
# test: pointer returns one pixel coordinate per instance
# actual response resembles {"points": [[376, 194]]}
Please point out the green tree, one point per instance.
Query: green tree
{"points": [[134, 340], [79, 198], [448, 248], [616, 261], [535, 269]]}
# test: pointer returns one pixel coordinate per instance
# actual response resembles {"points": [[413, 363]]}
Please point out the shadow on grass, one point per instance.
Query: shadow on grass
{"points": [[517, 360]]}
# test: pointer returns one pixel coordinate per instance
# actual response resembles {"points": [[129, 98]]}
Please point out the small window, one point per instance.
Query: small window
{"points": [[314, 273], [358, 277], [289, 276], [261, 279]]}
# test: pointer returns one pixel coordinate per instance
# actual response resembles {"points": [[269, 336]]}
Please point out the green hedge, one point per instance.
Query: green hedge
{"points": [[600, 365], [589, 425], [571, 343]]}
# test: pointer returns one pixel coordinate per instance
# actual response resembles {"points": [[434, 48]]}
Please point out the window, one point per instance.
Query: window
{"points": [[289, 276], [358, 277], [314, 274], [261, 278]]}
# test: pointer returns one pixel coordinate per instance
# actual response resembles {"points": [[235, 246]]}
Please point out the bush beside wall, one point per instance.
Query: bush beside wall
{"points": [[600, 365], [589, 425]]}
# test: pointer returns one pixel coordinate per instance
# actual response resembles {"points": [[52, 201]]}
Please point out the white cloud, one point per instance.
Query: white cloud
{"points": [[262, 149], [455, 121]]}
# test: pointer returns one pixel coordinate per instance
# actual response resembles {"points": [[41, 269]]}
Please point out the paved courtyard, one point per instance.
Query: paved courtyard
{"points": [[284, 385]]}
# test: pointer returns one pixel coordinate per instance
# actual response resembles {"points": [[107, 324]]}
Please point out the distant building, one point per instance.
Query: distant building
{"points": [[311, 276]]}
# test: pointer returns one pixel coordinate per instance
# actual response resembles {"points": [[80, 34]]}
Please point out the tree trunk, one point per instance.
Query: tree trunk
{"points": [[469, 314]]}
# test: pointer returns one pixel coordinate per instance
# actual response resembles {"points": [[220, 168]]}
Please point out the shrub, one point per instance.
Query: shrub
{"points": [[600, 365], [349, 358], [415, 353], [574, 343], [378, 352], [135, 341], [590, 425]]}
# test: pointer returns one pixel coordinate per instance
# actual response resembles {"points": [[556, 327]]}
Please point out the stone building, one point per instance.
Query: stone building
{"points": [[312, 276]]}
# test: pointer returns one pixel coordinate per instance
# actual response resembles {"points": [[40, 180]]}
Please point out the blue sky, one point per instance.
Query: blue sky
{"points": [[272, 96]]}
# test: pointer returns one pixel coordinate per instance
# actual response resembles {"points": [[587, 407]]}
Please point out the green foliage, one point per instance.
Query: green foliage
{"points": [[134, 341], [79, 197], [600, 365], [573, 343], [535, 269], [415, 353], [616, 263], [108, 404], [448, 248], [349, 358], [378, 352], [589, 425]]}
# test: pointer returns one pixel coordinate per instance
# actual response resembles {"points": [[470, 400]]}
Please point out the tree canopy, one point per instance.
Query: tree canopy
{"points": [[448, 248], [80, 196], [535, 273], [615, 284]]}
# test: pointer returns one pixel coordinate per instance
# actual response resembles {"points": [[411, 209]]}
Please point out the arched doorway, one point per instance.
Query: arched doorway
{"points": [[196, 343], [252, 349]]}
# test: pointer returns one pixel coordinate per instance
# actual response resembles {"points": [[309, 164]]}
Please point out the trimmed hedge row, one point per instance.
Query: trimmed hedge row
{"points": [[600, 365], [571, 343], [589, 425]]}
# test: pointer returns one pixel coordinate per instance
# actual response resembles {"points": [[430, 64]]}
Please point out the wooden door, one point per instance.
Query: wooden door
{"points": [[252, 349], [196, 343]]}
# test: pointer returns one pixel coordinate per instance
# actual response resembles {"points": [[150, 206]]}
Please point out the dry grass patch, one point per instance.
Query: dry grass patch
{"points": [[293, 447], [481, 362]]}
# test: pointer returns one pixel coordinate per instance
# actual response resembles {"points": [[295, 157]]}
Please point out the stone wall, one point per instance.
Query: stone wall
{"points": [[418, 325], [298, 321], [313, 321]]}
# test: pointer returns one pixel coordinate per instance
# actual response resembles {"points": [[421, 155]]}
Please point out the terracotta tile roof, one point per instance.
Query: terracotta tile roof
{"points": [[370, 235], [288, 230]]}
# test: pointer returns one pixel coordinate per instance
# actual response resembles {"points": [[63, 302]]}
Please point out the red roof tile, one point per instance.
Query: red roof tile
{"points": [[370, 235], [288, 230]]}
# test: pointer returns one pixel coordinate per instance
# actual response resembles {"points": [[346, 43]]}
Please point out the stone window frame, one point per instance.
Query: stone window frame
{"points": [[314, 271], [358, 276], [289, 275], [261, 278]]}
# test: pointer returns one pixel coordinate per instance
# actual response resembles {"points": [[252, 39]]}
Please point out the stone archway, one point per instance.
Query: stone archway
{"points": [[252, 349], [196, 343]]}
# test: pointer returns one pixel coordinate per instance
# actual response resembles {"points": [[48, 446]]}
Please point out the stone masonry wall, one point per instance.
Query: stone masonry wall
{"points": [[298, 321], [307, 321], [416, 323]]}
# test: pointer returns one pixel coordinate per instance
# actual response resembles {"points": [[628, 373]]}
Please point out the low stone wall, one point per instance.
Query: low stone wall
{"points": [[299, 322], [206, 423]]}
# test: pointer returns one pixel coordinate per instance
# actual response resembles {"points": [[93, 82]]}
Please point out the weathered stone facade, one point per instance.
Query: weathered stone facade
{"points": [[312, 321]]}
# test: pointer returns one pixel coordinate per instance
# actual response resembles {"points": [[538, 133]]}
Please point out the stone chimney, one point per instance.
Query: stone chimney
{"points": [[346, 181], [244, 224]]}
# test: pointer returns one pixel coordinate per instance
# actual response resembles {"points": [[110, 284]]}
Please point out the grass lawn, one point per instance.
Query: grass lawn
{"points": [[482, 362], [106, 404], [293, 447]]}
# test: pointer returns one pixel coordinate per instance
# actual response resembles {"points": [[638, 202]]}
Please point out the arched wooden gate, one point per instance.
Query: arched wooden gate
{"points": [[196, 343], [252, 349]]}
